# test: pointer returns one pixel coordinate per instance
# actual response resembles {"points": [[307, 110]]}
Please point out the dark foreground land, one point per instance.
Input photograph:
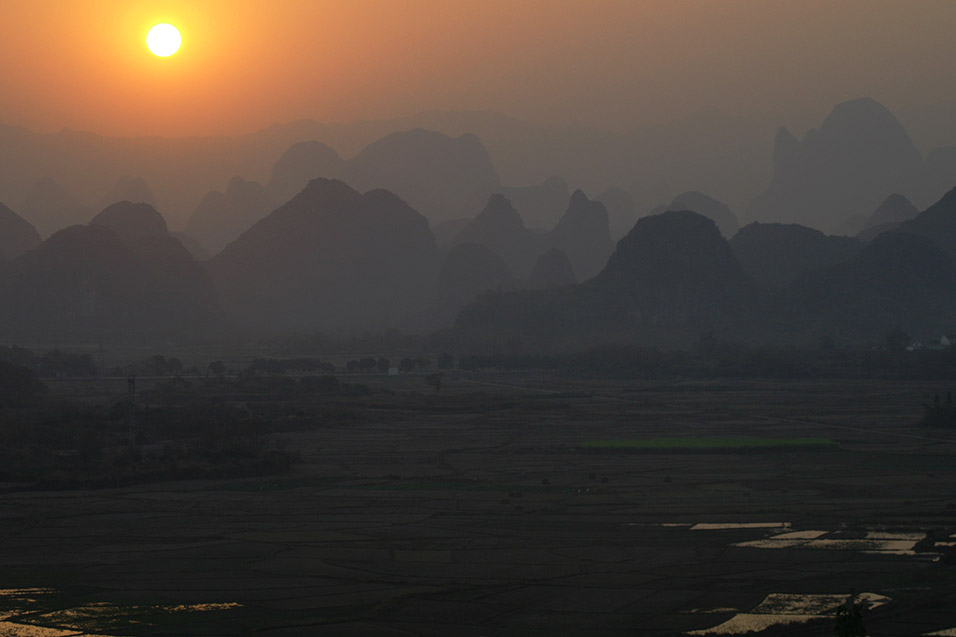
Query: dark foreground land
{"points": [[518, 505]]}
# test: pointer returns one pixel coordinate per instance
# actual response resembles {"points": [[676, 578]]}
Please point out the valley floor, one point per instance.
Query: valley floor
{"points": [[482, 511]]}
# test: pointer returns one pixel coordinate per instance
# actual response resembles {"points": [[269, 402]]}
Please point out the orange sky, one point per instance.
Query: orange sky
{"points": [[245, 64]]}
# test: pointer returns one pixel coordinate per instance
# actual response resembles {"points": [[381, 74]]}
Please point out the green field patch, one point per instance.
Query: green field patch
{"points": [[717, 444], [448, 485]]}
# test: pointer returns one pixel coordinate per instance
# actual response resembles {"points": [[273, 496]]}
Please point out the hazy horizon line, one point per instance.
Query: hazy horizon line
{"points": [[573, 124]]}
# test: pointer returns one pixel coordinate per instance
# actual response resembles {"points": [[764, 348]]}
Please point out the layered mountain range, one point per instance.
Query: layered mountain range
{"points": [[433, 173], [331, 256], [416, 231], [122, 276], [582, 234], [859, 156], [728, 158], [674, 277]]}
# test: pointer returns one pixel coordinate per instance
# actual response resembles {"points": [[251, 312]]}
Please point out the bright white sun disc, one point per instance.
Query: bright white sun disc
{"points": [[163, 40]]}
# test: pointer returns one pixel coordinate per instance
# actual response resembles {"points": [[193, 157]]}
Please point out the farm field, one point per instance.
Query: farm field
{"points": [[522, 504]]}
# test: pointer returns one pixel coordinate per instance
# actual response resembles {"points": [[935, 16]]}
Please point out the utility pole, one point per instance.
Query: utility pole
{"points": [[131, 379]]}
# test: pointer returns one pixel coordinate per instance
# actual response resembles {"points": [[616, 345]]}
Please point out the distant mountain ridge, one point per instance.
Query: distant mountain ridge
{"points": [[670, 278], [706, 205], [898, 279], [331, 257], [128, 188], [690, 153], [674, 278], [937, 223], [582, 234], [49, 207], [17, 235], [85, 282], [222, 216], [709, 151], [435, 174], [775, 254], [858, 157], [131, 222], [500, 228], [352, 255]]}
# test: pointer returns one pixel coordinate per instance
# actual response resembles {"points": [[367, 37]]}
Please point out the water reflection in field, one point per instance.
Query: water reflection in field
{"points": [[32, 612], [779, 609]]}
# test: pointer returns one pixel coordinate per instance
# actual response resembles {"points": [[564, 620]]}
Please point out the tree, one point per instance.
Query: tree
{"points": [[706, 345], [59, 363], [174, 366], [435, 380], [446, 361], [19, 386], [217, 368], [897, 340], [155, 366], [383, 364], [17, 356], [849, 619]]}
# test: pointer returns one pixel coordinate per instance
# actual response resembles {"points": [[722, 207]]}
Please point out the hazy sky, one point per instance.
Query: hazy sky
{"points": [[245, 64]]}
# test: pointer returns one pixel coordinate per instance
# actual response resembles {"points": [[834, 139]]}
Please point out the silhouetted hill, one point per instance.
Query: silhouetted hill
{"points": [[330, 257], [859, 156], [85, 282], [466, 272], [621, 211], [173, 271], [581, 233], [539, 206], [176, 275], [672, 277], [584, 235], [221, 217], [677, 270], [871, 233], [50, 208], [299, 165], [128, 188], [435, 174], [940, 171], [775, 254], [446, 231], [192, 246], [898, 279], [131, 221], [723, 155], [938, 223], [717, 153], [501, 229], [709, 207], [16, 234], [894, 210], [553, 269]]}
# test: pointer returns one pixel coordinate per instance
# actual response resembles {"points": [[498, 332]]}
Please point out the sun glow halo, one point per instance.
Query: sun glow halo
{"points": [[163, 40]]}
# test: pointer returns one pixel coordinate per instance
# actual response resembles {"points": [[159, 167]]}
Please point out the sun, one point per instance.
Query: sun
{"points": [[163, 40]]}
